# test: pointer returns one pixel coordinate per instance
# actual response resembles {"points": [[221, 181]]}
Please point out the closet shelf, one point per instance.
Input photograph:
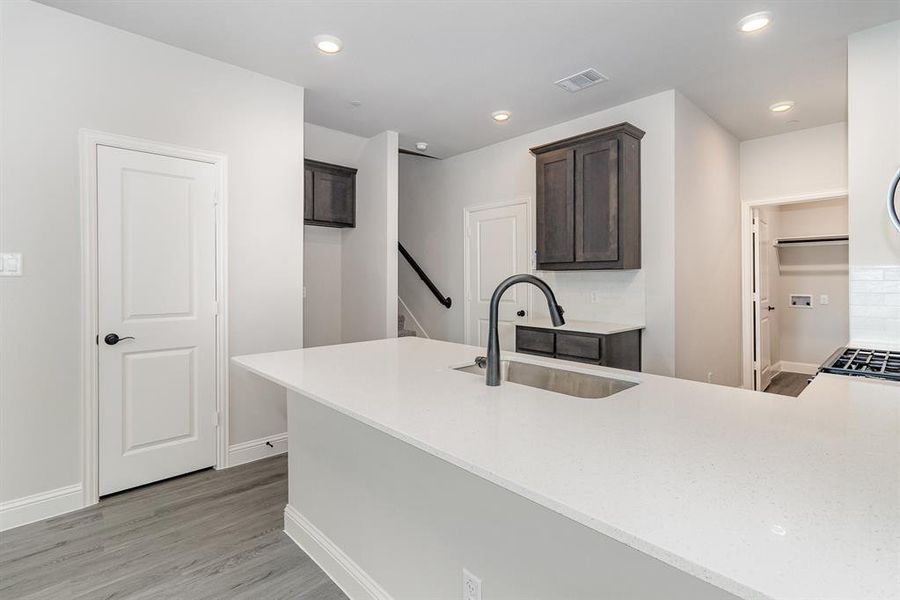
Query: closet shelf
{"points": [[816, 240]]}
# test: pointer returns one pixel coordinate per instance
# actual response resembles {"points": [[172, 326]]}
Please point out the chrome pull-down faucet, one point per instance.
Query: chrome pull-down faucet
{"points": [[492, 375]]}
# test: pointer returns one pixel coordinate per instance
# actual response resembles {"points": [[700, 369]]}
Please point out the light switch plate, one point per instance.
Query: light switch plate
{"points": [[823, 299], [10, 264]]}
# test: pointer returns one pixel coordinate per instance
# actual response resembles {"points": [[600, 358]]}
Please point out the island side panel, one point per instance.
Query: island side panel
{"points": [[411, 522]]}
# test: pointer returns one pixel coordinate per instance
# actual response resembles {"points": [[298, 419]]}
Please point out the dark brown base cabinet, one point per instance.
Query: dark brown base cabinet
{"points": [[588, 201], [329, 195], [617, 350]]}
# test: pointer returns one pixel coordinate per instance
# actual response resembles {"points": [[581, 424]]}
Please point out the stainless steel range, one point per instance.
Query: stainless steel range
{"points": [[863, 362]]}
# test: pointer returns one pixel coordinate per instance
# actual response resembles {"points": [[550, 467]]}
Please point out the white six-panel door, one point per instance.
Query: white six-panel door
{"points": [[156, 284], [497, 239]]}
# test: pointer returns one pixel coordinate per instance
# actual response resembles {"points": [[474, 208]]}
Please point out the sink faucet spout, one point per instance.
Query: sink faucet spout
{"points": [[492, 376]]}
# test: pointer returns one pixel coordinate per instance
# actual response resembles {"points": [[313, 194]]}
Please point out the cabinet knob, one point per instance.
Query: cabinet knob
{"points": [[520, 313]]}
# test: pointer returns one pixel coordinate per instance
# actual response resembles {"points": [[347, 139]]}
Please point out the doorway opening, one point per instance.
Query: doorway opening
{"points": [[796, 290]]}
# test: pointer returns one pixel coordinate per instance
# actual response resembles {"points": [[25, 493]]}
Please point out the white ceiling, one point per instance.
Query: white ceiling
{"points": [[435, 70]]}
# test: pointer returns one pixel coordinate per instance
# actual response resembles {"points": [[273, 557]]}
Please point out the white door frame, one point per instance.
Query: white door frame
{"points": [[88, 140], [467, 212], [747, 333]]}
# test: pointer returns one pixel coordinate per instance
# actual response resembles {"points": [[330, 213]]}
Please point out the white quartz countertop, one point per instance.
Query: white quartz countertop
{"points": [[582, 326], [764, 496]]}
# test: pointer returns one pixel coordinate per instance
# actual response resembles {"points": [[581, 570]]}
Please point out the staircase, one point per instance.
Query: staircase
{"points": [[401, 327]]}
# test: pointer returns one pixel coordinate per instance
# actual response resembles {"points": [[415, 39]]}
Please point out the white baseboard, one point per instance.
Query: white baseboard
{"points": [[40, 506], [796, 367], [353, 581], [245, 452]]}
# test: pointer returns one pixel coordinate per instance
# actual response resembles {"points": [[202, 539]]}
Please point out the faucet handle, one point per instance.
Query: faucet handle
{"points": [[481, 362]]}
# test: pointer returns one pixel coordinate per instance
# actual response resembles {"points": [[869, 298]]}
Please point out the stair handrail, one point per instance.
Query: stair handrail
{"points": [[424, 277]]}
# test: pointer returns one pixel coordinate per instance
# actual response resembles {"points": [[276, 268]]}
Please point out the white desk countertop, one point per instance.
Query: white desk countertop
{"points": [[764, 496]]}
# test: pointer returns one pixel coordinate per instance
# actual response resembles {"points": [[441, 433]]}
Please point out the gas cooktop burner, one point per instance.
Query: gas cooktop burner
{"points": [[864, 363]]}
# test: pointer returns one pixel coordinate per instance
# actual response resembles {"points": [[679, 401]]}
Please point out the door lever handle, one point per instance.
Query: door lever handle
{"points": [[112, 339]]}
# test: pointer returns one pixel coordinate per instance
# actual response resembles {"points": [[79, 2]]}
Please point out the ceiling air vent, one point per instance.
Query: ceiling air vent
{"points": [[579, 81]]}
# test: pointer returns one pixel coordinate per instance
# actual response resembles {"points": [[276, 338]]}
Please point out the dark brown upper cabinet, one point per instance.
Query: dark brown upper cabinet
{"points": [[330, 195], [589, 201]]}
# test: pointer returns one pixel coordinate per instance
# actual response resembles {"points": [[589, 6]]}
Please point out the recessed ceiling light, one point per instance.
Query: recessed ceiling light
{"points": [[782, 107], [421, 146], [501, 116], [755, 22], [328, 44]]}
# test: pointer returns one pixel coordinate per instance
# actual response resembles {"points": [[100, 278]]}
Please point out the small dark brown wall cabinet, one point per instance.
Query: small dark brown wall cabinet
{"points": [[329, 195], [588, 201]]}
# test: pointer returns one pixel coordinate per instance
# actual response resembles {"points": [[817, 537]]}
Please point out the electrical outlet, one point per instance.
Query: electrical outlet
{"points": [[709, 377], [595, 297], [823, 299], [471, 586]]}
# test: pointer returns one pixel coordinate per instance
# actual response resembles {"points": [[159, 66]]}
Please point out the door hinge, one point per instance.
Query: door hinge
{"points": [[216, 197], [216, 308], [217, 418]]}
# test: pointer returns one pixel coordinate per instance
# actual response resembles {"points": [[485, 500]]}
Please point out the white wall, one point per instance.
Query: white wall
{"points": [[809, 336], [61, 73], [805, 162], [707, 248], [873, 80], [321, 286], [369, 253], [322, 246], [433, 194]]}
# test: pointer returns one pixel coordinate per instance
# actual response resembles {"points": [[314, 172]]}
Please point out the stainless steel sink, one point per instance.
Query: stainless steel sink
{"points": [[570, 383]]}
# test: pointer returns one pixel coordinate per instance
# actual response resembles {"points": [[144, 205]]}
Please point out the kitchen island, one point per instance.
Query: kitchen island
{"points": [[403, 471]]}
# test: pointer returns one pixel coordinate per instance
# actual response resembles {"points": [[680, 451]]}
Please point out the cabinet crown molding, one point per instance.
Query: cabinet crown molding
{"points": [[626, 128]]}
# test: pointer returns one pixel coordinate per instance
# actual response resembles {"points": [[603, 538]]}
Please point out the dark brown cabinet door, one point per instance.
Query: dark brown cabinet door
{"points": [[330, 195], [334, 198], [618, 350], [597, 202], [308, 196], [555, 207]]}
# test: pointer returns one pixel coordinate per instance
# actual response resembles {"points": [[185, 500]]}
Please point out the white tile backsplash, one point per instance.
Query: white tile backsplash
{"points": [[609, 296], [867, 274], [875, 304]]}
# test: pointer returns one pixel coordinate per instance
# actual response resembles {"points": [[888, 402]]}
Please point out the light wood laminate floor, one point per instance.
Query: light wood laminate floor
{"points": [[209, 535], [788, 384]]}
